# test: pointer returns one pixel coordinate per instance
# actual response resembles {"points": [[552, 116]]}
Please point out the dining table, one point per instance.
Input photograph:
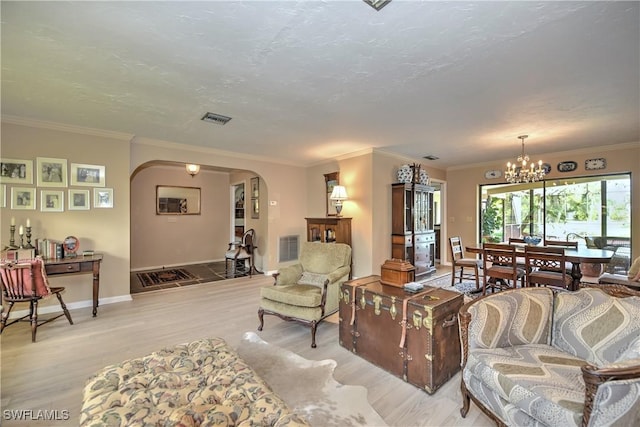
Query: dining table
{"points": [[575, 256]]}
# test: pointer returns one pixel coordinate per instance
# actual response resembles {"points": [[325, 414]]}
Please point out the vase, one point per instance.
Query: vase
{"points": [[405, 174]]}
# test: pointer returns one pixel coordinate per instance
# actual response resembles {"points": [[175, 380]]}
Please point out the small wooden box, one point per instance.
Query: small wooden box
{"points": [[397, 272]]}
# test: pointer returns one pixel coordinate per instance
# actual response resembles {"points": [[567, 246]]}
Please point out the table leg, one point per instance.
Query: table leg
{"points": [[576, 274], [96, 287]]}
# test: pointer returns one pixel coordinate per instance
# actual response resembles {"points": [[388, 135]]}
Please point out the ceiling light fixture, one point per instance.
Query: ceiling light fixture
{"points": [[218, 119], [192, 169], [431, 157], [377, 4], [519, 172]]}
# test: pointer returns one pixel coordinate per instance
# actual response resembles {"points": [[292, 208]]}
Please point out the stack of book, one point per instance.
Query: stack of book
{"points": [[50, 249]]}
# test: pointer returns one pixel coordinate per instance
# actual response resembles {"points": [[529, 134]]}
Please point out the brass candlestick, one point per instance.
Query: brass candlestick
{"points": [[29, 245], [21, 243], [12, 240]]}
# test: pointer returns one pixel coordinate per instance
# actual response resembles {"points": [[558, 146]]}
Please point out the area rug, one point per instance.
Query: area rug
{"points": [[308, 386], [165, 276], [467, 287]]}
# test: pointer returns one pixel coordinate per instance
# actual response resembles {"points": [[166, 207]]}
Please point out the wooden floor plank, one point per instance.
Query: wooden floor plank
{"points": [[51, 373]]}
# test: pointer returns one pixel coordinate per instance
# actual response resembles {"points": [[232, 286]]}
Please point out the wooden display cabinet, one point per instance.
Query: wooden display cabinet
{"points": [[413, 237]]}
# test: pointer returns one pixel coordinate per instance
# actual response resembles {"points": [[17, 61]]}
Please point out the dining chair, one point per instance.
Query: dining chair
{"points": [[546, 265], [500, 267], [240, 253], [25, 281], [460, 261], [563, 244]]}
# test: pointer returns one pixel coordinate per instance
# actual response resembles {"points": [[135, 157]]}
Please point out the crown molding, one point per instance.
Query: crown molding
{"points": [[41, 124], [577, 151]]}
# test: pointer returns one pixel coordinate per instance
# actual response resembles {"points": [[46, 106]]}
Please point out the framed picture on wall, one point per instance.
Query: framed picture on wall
{"points": [[78, 200], [51, 201], [16, 171], [51, 172], [23, 198], [331, 180], [103, 197], [255, 209], [87, 175], [255, 196]]}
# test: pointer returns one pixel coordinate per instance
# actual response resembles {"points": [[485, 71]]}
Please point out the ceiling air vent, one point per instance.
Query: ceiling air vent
{"points": [[216, 118]]}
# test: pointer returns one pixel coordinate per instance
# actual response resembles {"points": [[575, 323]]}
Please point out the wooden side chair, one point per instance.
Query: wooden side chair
{"points": [[500, 267], [240, 253], [460, 261], [563, 244], [546, 266], [26, 281]]}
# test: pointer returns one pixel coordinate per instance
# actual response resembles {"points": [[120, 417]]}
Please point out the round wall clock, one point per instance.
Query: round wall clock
{"points": [[569, 166], [595, 164], [493, 174]]}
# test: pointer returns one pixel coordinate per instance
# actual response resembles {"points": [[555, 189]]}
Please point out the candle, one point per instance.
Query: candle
{"points": [[13, 220], [28, 223], [21, 231]]}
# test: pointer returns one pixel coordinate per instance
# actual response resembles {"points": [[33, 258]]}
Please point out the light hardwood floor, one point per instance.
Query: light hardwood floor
{"points": [[50, 374]]}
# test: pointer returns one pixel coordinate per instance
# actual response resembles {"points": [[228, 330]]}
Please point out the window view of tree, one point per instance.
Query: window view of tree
{"points": [[595, 211]]}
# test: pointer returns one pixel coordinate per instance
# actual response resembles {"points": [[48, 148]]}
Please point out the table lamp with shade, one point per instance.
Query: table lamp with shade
{"points": [[339, 194]]}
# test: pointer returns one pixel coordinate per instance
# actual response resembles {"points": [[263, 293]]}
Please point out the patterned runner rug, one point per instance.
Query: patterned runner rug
{"points": [[165, 276]]}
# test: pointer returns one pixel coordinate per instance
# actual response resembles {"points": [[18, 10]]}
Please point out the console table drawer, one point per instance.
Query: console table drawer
{"points": [[63, 268]]}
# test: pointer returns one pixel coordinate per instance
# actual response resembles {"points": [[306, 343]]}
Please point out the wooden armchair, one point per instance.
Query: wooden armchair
{"points": [[240, 253], [26, 281]]}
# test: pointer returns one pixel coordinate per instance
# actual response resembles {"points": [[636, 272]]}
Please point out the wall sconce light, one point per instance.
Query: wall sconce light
{"points": [[192, 169], [338, 194]]}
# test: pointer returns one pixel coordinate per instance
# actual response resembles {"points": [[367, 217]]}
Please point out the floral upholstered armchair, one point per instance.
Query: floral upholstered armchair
{"points": [[308, 292]]}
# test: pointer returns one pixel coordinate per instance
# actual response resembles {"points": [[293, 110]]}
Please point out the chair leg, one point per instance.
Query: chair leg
{"points": [[475, 270], [465, 399], [314, 326], [64, 308], [453, 274], [261, 317], [34, 319], [5, 316]]}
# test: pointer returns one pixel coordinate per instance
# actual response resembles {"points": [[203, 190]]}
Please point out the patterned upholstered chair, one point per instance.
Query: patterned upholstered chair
{"points": [[308, 292], [532, 356]]}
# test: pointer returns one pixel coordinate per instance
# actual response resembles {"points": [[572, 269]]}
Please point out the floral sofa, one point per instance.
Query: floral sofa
{"points": [[536, 357], [203, 383]]}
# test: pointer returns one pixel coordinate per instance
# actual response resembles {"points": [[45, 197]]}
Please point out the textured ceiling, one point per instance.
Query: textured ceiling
{"points": [[311, 80]]}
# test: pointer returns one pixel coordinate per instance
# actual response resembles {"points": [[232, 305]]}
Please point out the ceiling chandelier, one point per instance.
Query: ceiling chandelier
{"points": [[519, 172]]}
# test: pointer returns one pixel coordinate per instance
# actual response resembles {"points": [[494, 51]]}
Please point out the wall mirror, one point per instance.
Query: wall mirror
{"points": [[174, 200], [331, 180]]}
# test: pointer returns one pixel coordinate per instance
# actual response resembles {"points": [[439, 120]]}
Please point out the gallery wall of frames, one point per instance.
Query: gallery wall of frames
{"points": [[59, 185]]}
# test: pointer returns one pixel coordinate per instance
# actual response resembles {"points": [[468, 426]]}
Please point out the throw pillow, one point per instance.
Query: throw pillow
{"points": [[315, 279]]}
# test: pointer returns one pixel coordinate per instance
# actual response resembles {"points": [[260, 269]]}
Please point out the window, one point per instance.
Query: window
{"points": [[595, 211]]}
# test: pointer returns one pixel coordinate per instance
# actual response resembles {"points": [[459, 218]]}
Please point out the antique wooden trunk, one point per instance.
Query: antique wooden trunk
{"points": [[432, 338], [377, 325], [396, 272], [347, 310], [411, 335]]}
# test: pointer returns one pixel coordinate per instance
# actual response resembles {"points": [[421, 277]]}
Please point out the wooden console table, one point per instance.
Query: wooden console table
{"points": [[76, 265]]}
